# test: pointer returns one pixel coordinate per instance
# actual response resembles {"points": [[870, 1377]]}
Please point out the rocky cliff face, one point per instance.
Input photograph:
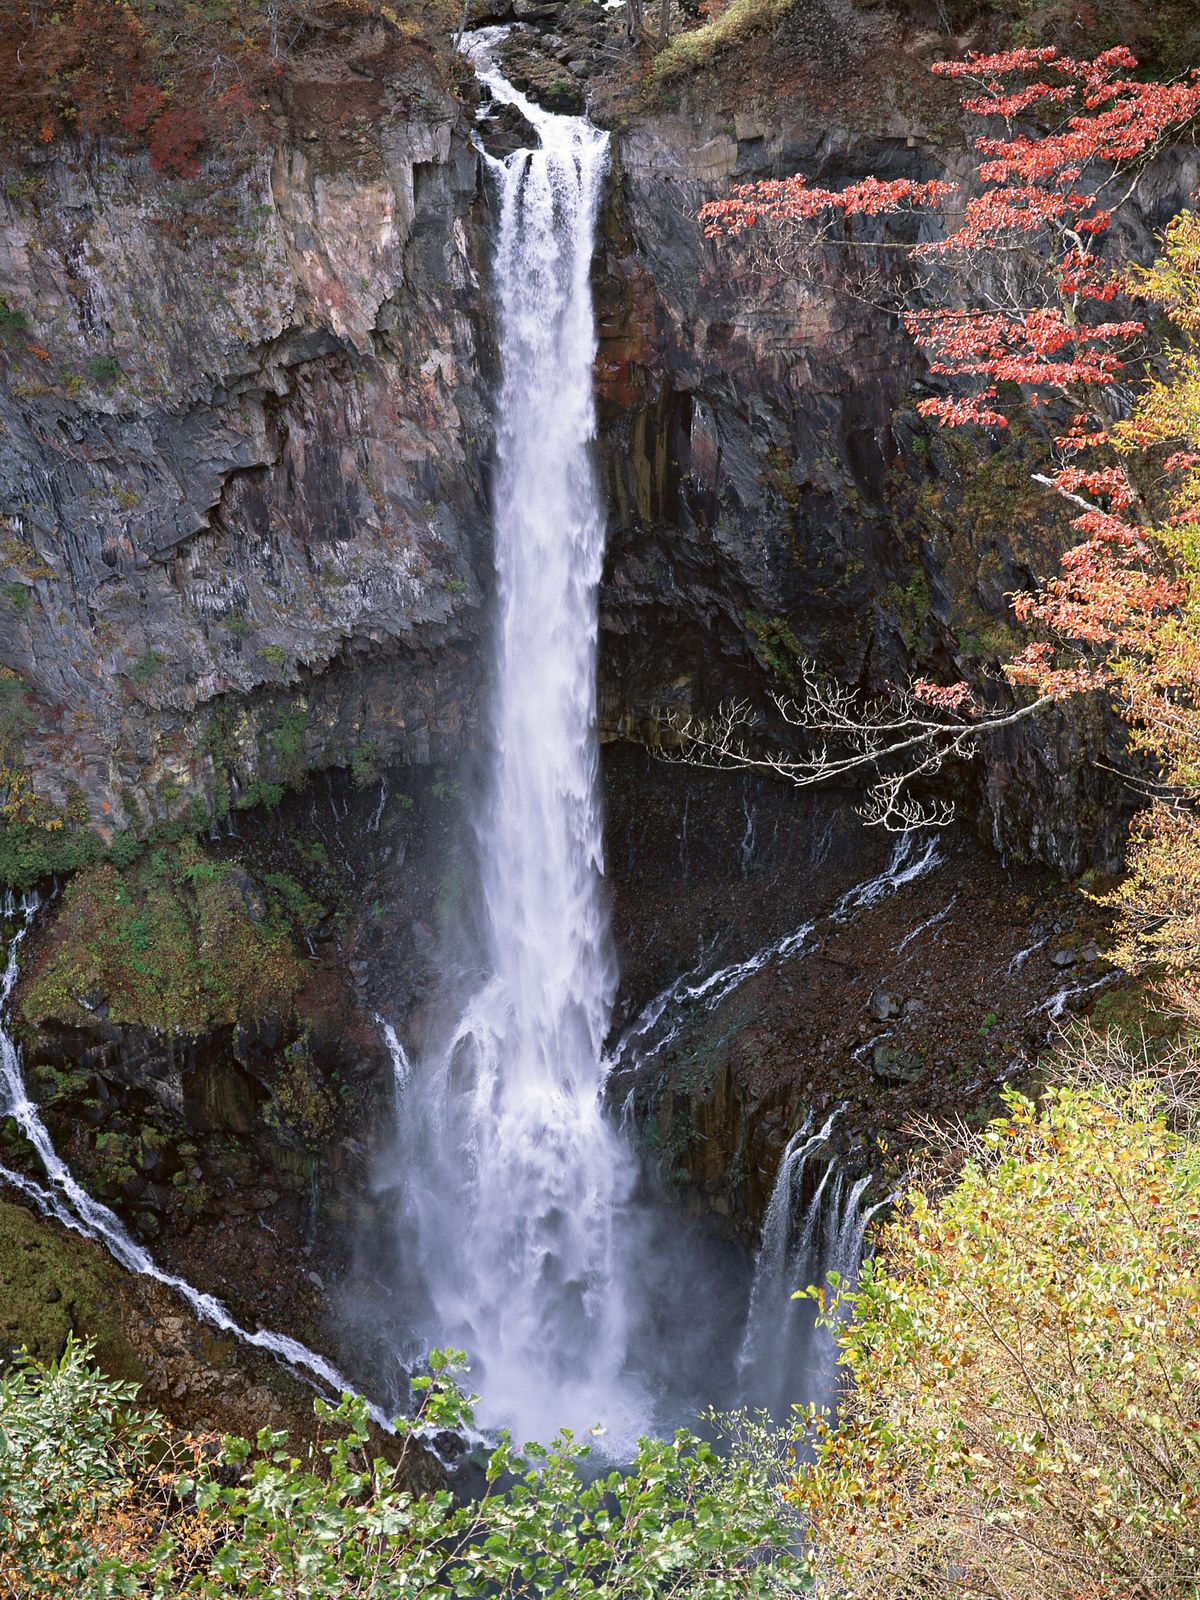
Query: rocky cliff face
{"points": [[774, 493], [241, 447], [245, 440]]}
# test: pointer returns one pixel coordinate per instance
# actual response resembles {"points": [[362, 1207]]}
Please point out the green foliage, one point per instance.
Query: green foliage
{"points": [[775, 645], [1025, 1350], [910, 607], [146, 668], [303, 1106], [274, 655], [23, 186], [124, 848], [262, 792], [69, 1450], [680, 1520], [286, 742], [104, 370], [444, 788], [314, 852], [689, 51], [16, 718], [174, 942], [297, 904], [52, 1282], [38, 842], [1165, 33], [364, 765], [239, 626], [13, 321]]}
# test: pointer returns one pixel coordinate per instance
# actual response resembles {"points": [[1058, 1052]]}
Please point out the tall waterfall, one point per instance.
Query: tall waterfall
{"points": [[515, 1177]]}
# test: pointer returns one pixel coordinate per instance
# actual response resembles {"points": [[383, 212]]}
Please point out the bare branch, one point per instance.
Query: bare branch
{"points": [[899, 740]]}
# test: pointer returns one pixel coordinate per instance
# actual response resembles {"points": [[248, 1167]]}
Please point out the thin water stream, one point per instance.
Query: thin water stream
{"points": [[68, 1202]]}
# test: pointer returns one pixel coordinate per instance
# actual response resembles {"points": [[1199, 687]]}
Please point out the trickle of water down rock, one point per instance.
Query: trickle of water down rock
{"points": [[514, 1177]]}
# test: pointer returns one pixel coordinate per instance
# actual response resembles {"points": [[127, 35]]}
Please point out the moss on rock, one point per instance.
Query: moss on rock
{"points": [[53, 1284], [175, 941]]}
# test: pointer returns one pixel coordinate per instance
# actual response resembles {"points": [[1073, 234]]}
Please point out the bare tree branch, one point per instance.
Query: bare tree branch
{"points": [[899, 740]]}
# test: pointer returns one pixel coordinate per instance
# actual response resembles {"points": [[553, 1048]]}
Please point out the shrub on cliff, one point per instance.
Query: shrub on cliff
{"points": [[723, 31], [71, 1453], [174, 941], [183, 76], [1025, 1351]]}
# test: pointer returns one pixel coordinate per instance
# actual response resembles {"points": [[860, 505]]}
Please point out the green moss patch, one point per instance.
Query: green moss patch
{"points": [[52, 1284], [175, 942], [698, 46]]}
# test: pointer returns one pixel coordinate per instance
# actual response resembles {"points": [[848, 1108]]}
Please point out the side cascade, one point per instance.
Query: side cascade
{"points": [[660, 1022], [62, 1198], [512, 1178], [815, 1225]]}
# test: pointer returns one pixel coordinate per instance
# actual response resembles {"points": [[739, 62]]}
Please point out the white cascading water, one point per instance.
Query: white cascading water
{"points": [[68, 1202], [811, 1228], [514, 1177]]}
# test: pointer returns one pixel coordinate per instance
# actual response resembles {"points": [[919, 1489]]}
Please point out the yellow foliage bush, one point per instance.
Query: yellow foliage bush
{"points": [[1025, 1351]]}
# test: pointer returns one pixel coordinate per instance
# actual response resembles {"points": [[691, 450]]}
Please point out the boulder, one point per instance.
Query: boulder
{"points": [[883, 1006]]}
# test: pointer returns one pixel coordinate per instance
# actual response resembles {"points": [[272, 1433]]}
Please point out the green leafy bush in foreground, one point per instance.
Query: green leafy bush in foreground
{"points": [[1025, 1350], [100, 1501]]}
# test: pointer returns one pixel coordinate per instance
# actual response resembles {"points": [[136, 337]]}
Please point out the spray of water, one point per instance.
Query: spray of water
{"points": [[513, 1178]]}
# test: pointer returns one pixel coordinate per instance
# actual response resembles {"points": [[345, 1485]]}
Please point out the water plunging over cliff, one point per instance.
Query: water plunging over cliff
{"points": [[515, 1177]]}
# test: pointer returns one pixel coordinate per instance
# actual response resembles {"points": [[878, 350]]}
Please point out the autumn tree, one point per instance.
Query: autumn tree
{"points": [[1025, 1350], [184, 76], [1049, 322]]}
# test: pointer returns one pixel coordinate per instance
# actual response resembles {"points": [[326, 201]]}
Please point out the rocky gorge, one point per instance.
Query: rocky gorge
{"points": [[247, 454]]}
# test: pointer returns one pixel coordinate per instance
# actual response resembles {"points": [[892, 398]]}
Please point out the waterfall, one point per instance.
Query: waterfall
{"points": [[815, 1224], [401, 1064], [513, 1178], [746, 848]]}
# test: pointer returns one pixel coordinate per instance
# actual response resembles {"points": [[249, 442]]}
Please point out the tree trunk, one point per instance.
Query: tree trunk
{"points": [[664, 26], [633, 17]]}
